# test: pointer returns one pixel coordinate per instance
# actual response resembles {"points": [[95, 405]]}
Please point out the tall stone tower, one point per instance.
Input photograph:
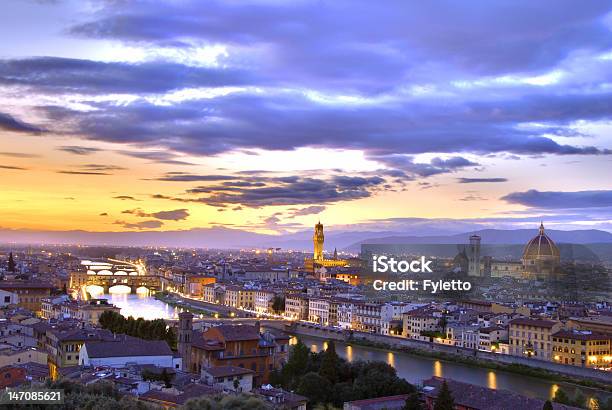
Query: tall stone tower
{"points": [[185, 332], [318, 240], [474, 256]]}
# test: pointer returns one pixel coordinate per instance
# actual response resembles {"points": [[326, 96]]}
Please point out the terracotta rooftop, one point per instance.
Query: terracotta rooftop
{"points": [[379, 403], [581, 335], [533, 322], [481, 398], [224, 371], [126, 348], [235, 333]]}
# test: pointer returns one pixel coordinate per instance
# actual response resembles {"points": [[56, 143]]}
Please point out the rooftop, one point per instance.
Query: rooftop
{"points": [[482, 398], [224, 371], [127, 348]]}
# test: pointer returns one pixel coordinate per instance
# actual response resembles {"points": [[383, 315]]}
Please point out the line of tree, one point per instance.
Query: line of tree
{"points": [[328, 380], [144, 329]]}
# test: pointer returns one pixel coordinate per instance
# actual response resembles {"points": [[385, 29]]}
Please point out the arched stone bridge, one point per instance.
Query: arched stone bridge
{"points": [[109, 273]]}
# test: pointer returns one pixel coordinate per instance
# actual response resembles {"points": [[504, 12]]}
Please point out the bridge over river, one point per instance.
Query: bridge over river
{"points": [[107, 273]]}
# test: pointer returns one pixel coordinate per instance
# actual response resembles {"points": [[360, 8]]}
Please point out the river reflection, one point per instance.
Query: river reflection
{"points": [[415, 369], [141, 305]]}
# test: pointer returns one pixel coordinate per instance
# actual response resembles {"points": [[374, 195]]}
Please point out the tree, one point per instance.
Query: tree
{"points": [[236, 384], [278, 304], [296, 365], [547, 405], [234, 402], [329, 364], [561, 397], [413, 402], [315, 387], [377, 379], [11, 263], [579, 399], [444, 401]]}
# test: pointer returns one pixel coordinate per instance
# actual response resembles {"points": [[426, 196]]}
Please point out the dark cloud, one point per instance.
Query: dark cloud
{"points": [[152, 224], [18, 155], [126, 198], [10, 123], [93, 169], [480, 180], [309, 210], [560, 199], [101, 167], [78, 150], [289, 190], [185, 177], [434, 167], [103, 214], [334, 44], [174, 215], [161, 157], [66, 75], [82, 172], [389, 133], [472, 197], [11, 167]]}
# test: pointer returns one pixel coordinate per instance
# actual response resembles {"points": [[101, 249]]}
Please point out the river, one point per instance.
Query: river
{"points": [[413, 368]]}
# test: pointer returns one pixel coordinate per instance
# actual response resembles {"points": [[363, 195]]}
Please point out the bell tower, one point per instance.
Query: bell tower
{"points": [[185, 332], [318, 239]]}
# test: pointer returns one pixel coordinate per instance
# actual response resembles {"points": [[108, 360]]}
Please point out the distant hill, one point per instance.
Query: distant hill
{"points": [[492, 236], [226, 238]]}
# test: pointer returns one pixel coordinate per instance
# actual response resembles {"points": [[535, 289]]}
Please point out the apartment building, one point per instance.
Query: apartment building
{"points": [[425, 319], [532, 337], [296, 307], [263, 299], [582, 348], [318, 311]]}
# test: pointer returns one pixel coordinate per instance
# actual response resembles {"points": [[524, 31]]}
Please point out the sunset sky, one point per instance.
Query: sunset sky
{"points": [[268, 115]]}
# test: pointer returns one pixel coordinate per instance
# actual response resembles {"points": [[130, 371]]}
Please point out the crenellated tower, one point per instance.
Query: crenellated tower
{"points": [[318, 239]]}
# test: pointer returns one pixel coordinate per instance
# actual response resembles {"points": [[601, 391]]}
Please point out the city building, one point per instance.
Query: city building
{"points": [[263, 300], [64, 345], [417, 321], [318, 311], [85, 311], [125, 349], [11, 376], [232, 378], [30, 293], [600, 323], [239, 346], [296, 307], [541, 257], [281, 399], [379, 403], [472, 397], [532, 337], [8, 298], [582, 348], [318, 259]]}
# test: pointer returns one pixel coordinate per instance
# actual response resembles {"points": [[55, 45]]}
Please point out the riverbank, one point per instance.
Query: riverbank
{"points": [[487, 364], [182, 304], [427, 350]]}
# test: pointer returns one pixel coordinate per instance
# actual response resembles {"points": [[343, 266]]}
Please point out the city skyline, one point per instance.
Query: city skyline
{"points": [[267, 116]]}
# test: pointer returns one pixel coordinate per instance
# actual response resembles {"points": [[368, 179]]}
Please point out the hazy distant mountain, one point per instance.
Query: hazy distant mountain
{"points": [[493, 236], [234, 238]]}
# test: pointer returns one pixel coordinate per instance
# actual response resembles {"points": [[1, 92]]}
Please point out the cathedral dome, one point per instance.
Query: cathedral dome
{"points": [[541, 247]]}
